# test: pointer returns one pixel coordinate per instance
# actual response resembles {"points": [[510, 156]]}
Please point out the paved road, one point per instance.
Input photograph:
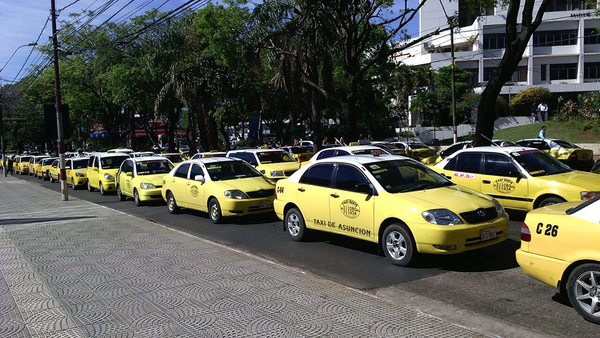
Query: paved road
{"points": [[485, 286]]}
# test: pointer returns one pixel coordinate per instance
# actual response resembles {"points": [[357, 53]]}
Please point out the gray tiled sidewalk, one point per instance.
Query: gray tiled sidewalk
{"points": [[75, 269]]}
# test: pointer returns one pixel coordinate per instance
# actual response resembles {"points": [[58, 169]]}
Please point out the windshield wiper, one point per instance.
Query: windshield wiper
{"points": [[416, 187]]}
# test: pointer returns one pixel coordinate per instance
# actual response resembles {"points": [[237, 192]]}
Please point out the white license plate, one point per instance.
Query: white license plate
{"points": [[267, 204], [487, 234]]}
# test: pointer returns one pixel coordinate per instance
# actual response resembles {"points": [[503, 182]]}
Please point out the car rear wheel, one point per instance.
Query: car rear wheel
{"points": [[172, 204], [120, 194], [550, 201], [102, 191], [136, 198], [89, 186], [583, 288], [294, 223], [214, 211], [398, 245]]}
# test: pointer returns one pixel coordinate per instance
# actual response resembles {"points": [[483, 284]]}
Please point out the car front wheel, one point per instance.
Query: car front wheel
{"points": [[172, 204], [136, 198], [89, 186], [120, 193], [398, 245], [214, 211], [550, 201], [102, 191], [583, 289]]}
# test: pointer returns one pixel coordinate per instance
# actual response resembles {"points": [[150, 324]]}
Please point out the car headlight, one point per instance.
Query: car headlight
{"points": [[78, 174], [147, 186], [499, 207], [109, 177], [588, 195], [236, 194], [276, 173], [441, 217]]}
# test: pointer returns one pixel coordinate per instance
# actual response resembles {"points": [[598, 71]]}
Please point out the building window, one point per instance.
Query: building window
{"points": [[488, 72], [465, 18], [569, 5], [494, 41], [591, 36], [591, 70], [543, 71], [474, 76], [566, 71], [565, 37], [520, 75]]}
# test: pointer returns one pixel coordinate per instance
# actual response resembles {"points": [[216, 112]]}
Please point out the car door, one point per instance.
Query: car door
{"points": [[312, 196], [126, 177], [195, 190], [93, 171], [503, 180], [179, 183], [464, 169], [351, 203]]}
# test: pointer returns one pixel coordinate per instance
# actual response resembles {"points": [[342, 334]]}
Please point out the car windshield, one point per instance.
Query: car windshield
{"points": [[538, 163], [80, 164], [404, 175], [300, 150], [563, 144], [47, 161], [174, 158], [418, 146], [274, 157], [113, 162], [25, 159], [231, 170], [153, 167]]}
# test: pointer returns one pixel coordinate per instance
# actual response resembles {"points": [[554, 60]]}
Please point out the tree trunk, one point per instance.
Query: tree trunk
{"points": [[132, 128]]}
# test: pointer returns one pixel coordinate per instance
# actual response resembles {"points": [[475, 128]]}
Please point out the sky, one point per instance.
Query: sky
{"points": [[21, 22]]}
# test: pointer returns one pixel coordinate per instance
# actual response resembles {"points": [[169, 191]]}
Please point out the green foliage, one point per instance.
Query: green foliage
{"points": [[522, 102], [443, 83], [582, 115]]}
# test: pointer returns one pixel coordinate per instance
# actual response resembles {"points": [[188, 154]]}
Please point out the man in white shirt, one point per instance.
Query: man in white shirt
{"points": [[543, 109]]}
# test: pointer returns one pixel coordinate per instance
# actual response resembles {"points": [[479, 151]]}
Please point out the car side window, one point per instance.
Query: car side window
{"points": [[347, 178], [468, 162], [499, 165], [97, 162], [341, 153], [319, 175], [326, 153], [182, 171], [196, 170]]}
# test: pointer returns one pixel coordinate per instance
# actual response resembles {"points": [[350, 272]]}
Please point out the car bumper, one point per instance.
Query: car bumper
{"points": [[80, 181], [109, 185], [278, 206], [436, 239], [232, 207], [24, 170], [545, 269], [150, 194]]}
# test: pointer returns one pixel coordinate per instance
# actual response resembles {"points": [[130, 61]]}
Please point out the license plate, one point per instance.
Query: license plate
{"points": [[267, 204], [487, 234]]}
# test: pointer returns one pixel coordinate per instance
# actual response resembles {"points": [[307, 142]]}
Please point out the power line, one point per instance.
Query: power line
{"points": [[67, 6], [32, 49]]}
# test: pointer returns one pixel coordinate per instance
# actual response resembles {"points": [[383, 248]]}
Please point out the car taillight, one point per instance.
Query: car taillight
{"points": [[525, 233]]}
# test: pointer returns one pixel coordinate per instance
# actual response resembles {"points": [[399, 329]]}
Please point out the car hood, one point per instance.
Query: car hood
{"points": [[246, 184], [153, 179], [283, 166], [454, 198], [582, 179]]}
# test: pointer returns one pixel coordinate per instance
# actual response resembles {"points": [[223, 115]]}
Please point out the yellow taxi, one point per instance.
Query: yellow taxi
{"points": [[566, 152], [102, 169], [390, 147], [346, 151], [54, 171], [34, 164], [273, 163], [21, 165], [175, 158], [559, 247], [45, 166], [521, 178], [462, 145], [299, 153], [416, 150], [404, 206], [212, 153], [220, 186], [76, 170], [141, 178]]}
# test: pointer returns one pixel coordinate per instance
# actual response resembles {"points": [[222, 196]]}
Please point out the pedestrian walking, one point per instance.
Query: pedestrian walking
{"points": [[533, 112], [542, 134], [543, 109], [9, 165]]}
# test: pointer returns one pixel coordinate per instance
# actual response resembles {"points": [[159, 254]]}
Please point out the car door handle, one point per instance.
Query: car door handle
{"points": [[334, 195], [301, 190], [486, 182]]}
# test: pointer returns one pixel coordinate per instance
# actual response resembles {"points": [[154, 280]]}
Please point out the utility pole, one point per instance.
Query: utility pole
{"points": [[61, 151], [2, 135], [451, 22]]}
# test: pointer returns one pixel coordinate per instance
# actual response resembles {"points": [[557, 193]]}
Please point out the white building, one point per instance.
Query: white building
{"points": [[563, 54]]}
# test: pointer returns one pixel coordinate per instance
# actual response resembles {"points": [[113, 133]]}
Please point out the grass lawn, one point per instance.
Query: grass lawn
{"points": [[561, 130]]}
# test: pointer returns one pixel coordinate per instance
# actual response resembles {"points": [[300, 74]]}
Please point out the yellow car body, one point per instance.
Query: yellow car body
{"points": [[37, 165], [22, 165], [142, 178], [559, 247], [566, 152], [45, 166], [76, 171], [54, 171], [373, 197], [220, 186], [102, 169], [274, 164], [520, 178], [416, 150]]}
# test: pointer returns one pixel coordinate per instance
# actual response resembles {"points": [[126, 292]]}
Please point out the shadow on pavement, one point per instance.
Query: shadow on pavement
{"points": [[11, 221]]}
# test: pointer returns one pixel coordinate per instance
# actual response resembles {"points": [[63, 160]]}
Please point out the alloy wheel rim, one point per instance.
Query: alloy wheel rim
{"points": [[587, 292], [293, 224], [171, 203], [214, 211], [137, 197], [396, 245]]}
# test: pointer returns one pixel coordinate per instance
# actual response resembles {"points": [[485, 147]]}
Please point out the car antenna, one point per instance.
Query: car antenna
{"points": [[491, 142]]}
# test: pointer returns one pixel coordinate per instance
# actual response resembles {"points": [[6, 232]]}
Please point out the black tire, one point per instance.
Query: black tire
{"points": [[120, 194], [51, 179], [73, 184], [575, 289], [102, 191], [172, 204], [294, 224], [214, 211], [136, 198], [550, 200], [89, 186], [398, 245]]}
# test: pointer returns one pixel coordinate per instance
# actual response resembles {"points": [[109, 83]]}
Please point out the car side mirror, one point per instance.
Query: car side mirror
{"points": [[363, 188], [199, 178]]}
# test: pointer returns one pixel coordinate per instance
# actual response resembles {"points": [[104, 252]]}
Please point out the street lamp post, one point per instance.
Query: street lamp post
{"points": [[2, 145]]}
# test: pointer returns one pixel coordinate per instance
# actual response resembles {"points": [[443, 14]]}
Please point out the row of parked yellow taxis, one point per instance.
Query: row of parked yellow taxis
{"points": [[404, 206]]}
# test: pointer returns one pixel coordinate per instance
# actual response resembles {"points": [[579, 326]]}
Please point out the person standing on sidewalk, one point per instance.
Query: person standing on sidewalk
{"points": [[542, 134]]}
